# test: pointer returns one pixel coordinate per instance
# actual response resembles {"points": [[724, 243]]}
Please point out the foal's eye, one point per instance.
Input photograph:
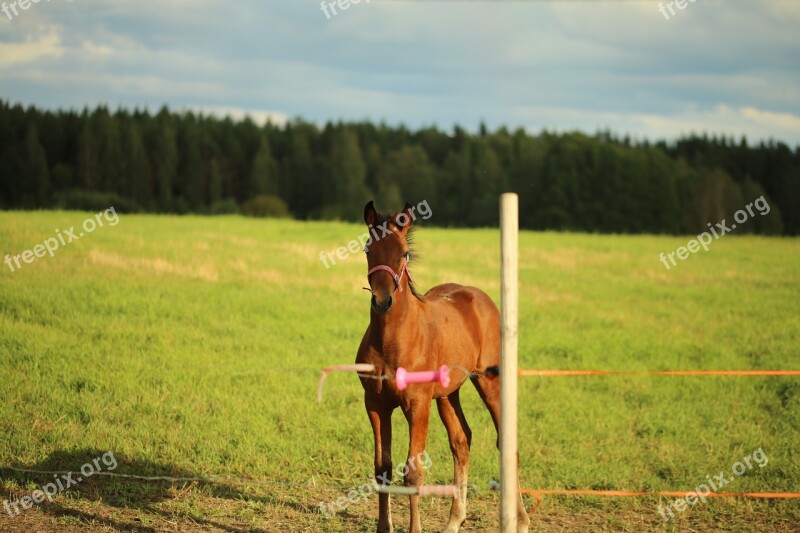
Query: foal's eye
{"points": [[407, 255]]}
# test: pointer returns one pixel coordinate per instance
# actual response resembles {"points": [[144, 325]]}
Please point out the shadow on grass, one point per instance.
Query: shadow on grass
{"points": [[127, 493]]}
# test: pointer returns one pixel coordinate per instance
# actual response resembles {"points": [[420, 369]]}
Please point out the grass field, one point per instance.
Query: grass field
{"points": [[190, 347]]}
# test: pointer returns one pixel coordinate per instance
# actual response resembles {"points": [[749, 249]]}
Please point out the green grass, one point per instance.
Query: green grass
{"points": [[163, 339]]}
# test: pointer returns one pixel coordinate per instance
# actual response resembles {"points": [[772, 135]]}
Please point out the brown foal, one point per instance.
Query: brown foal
{"points": [[451, 325]]}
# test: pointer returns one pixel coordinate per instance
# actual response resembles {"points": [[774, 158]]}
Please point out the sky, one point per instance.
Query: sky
{"points": [[727, 67]]}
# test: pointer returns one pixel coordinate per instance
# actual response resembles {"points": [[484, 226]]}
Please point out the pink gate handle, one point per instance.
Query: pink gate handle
{"points": [[404, 377]]}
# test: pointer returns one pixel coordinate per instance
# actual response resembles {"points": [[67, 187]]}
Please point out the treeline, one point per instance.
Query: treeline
{"points": [[187, 163]]}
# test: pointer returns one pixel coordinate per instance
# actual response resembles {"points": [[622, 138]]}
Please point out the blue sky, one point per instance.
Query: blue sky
{"points": [[716, 66]]}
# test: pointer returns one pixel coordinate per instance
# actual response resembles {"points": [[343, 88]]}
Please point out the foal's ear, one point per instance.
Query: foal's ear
{"points": [[405, 218], [370, 214]]}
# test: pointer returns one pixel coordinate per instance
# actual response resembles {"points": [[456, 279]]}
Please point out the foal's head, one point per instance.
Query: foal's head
{"points": [[388, 253]]}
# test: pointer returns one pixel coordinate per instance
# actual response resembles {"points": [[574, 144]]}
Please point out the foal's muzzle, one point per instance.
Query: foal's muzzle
{"points": [[382, 307]]}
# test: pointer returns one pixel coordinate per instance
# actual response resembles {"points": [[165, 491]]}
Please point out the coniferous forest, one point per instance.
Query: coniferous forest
{"points": [[186, 163]]}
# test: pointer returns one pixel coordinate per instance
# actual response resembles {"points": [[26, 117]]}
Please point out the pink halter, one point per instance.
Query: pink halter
{"points": [[395, 276]]}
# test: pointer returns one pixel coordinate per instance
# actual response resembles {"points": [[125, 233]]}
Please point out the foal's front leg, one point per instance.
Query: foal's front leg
{"points": [[418, 414], [381, 420]]}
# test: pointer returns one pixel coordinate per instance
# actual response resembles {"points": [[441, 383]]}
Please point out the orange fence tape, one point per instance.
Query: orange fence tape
{"points": [[537, 494], [660, 372]]}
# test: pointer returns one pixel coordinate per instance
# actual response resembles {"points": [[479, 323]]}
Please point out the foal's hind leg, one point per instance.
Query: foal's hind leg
{"points": [[460, 441], [489, 391]]}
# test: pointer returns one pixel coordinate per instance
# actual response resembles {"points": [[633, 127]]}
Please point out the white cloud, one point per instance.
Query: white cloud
{"points": [[731, 121], [95, 50], [237, 113], [31, 50], [731, 67], [754, 123]]}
